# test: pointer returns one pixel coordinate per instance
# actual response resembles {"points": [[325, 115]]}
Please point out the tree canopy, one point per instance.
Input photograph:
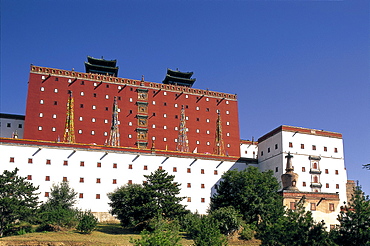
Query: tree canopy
{"points": [[294, 227], [135, 203], [18, 199], [354, 221], [251, 192]]}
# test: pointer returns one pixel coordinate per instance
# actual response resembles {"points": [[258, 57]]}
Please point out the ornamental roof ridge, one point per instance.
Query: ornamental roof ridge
{"points": [[132, 82]]}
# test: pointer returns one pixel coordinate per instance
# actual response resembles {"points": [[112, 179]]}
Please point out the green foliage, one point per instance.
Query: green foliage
{"points": [[131, 204], [18, 199], [251, 192], [228, 219], [134, 203], [248, 232], [58, 212], [163, 192], [208, 233], [191, 223], [296, 227], [62, 196], [354, 221], [165, 233], [87, 222]]}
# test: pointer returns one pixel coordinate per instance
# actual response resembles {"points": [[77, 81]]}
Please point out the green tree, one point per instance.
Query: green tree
{"points": [[228, 220], [131, 204], [251, 192], [62, 196], [164, 193], [87, 222], [134, 203], [208, 233], [18, 199], [58, 210], [354, 221], [165, 233], [296, 228]]}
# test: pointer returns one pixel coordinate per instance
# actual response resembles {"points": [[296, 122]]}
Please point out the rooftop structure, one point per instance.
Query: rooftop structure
{"points": [[179, 78], [101, 66]]}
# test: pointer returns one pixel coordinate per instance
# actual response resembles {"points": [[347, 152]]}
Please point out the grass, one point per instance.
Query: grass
{"points": [[105, 234]]}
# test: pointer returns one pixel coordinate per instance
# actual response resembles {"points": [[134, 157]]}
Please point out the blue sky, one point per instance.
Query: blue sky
{"points": [[300, 63]]}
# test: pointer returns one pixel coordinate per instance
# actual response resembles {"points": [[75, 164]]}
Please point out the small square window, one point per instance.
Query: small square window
{"points": [[303, 169], [81, 105], [290, 145], [327, 185], [326, 171], [129, 182], [313, 206], [82, 180], [114, 165], [189, 199], [336, 172], [130, 166], [98, 164], [145, 167], [82, 163], [160, 167], [188, 170], [175, 169], [331, 206], [202, 186], [65, 179], [302, 146], [292, 205], [47, 178], [202, 171], [65, 163], [30, 160], [215, 172], [97, 196], [188, 185], [11, 159], [46, 194], [98, 180], [304, 184], [55, 102], [337, 186], [335, 150], [20, 126], [202, 200], [114, 181], [276, 146], [81, 195], [313, 147]]}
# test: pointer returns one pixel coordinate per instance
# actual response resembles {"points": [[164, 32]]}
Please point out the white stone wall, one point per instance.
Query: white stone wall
{"points": [[249, 150], [201, 182]]}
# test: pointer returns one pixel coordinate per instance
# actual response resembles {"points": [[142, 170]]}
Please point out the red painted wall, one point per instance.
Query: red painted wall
{"points": [[96, 89]]}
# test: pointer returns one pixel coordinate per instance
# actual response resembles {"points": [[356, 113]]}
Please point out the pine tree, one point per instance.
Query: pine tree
{"points": [[354, 221], [164, 193], [18, 199]]}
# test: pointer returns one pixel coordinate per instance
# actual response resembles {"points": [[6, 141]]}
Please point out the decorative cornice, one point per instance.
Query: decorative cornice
{"points": [[131, 82]]}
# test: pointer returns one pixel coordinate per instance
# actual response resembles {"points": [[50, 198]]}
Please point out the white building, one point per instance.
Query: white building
{"points": [[94, 171], [318, 159], [11, 125]]}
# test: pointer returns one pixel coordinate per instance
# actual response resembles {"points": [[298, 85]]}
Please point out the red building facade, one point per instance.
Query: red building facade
{"points": [[148, 115]]}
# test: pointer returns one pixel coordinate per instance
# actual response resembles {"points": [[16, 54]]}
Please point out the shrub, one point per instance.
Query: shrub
{"points": [[248, 232], [209, 234], [165, 233], [87, 222], [228, 219]]}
